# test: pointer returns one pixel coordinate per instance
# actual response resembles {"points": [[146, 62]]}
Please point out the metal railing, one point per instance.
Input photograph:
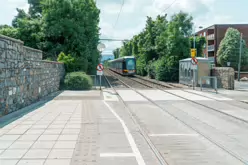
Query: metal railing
{"points": [[210, 37], [208, 83], [211, 48], [94, 79]]}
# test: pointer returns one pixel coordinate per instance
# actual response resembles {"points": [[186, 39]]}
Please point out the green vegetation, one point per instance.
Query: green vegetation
{"points": [[116, 53], [229, 50], [55, 26], [106, 64], [160, 46], [77, 81], [68, 61]]}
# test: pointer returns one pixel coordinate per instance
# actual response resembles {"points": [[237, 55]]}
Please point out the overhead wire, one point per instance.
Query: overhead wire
{"points": [[123, 2], [169, 5]]}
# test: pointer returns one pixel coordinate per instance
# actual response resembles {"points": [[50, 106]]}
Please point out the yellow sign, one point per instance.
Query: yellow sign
{"points": [[193, 53]]}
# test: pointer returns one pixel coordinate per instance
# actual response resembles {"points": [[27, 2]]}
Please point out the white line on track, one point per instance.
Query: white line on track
{"points": [[117, 155], [131, 141], [157, 135]]}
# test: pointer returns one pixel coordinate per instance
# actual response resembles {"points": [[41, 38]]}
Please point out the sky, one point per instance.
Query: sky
{"points": [[133, 16]]}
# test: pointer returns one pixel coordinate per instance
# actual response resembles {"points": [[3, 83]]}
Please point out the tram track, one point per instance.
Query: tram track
{"points": [[142, 132], [155, 150], [165, 88]]}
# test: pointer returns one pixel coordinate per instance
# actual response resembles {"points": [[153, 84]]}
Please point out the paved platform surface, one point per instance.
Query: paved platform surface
{"points": [[97, 128], [76, 128]]}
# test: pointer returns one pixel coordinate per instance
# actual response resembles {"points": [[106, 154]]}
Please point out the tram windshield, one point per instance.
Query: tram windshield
{"points": [[130, 64]]}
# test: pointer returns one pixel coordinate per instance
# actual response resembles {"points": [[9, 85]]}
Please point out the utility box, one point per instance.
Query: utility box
{"points": [[186, 69]]}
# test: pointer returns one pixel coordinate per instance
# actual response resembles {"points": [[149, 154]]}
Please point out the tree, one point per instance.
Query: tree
{"points": [[160, 46], [229, 49], [35, 8], [25, 28], [72, 27], [116, 53], [21, 15], [200, 42], [30, 31]]}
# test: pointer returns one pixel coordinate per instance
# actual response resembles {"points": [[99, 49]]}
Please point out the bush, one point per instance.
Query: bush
{"points": [[162, 71], [68, 61], [77, 81]]}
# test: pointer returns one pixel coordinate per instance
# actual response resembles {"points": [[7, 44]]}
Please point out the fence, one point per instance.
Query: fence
{"points": [[209, 82], [94, 79]]}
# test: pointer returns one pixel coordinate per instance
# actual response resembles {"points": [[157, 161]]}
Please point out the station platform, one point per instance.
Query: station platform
{"points": [[143, 127]]}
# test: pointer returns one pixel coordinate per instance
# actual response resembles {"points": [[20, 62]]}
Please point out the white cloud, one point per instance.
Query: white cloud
{"points": [[8, 9]]}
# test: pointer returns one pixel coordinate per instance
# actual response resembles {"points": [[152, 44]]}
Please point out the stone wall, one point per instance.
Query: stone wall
{"points": [[225, 77], [24, 77]]}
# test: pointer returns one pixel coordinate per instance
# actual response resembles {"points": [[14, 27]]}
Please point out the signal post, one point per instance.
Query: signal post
{"points": [[194, 62]]}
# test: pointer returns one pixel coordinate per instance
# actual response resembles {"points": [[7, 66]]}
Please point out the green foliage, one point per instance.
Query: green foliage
{"points": [[48, 59], [9, 31], [160, 46], [200, 42], [229, 49], [30, 31], [126, 50], [77, 81], [68, 61], [54, 26], [151, 69], [116, 53], [72, 27], [21, 14], [141, 67], [35, 9], [106, 64]]}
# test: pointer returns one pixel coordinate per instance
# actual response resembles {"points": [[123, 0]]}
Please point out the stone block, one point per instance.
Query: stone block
{"points": [[225, 77]]}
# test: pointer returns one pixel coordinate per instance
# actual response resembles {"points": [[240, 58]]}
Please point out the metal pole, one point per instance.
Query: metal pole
{"points": [[100, 82], [194, 38], [194, 69], [240, 52]]}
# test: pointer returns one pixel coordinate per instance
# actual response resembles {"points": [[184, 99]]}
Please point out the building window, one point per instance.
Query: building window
{"points": [[204, 34]]}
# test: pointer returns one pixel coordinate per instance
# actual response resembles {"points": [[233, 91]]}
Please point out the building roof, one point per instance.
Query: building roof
{"points": [[214, 25], [198, 58]]}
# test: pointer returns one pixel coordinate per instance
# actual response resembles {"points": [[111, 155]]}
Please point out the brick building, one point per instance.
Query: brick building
{"points": [[215, 33]]}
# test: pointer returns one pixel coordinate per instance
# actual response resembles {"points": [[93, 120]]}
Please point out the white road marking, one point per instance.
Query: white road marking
{"points": [[117, 155], [108, 96], [131, 141], [157, 135]]}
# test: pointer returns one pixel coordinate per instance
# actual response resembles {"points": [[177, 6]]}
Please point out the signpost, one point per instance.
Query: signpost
{"points": [[99, 69], [194, 63]]}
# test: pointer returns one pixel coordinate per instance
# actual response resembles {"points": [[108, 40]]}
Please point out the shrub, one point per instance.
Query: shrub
{"points": [[77, 81], [68, 61], [163, 71]]}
